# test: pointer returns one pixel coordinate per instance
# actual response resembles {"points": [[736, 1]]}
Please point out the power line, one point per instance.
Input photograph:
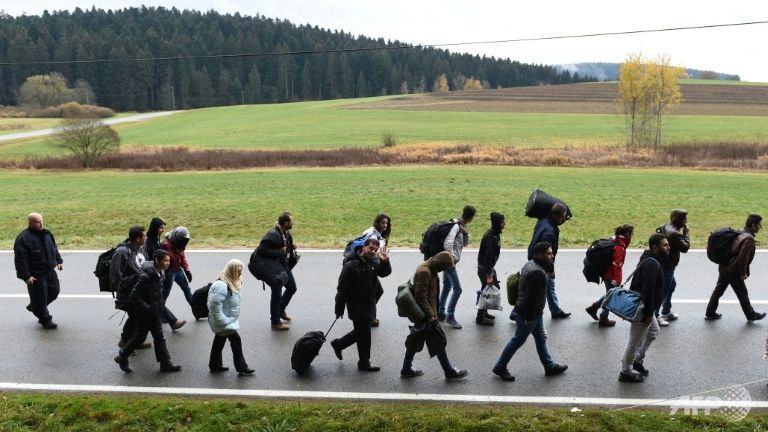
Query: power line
{"points": [[386, 48]]}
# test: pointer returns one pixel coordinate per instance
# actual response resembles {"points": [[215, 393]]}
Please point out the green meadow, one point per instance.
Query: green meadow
{"points": [[235, 208], [333, 124]]}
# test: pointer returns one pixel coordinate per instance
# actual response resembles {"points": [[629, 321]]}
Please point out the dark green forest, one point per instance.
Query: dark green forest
{"points": [[130, 76]]}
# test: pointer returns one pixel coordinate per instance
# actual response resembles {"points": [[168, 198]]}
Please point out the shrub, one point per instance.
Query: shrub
{"points": [[388, 139], [74, 110]]}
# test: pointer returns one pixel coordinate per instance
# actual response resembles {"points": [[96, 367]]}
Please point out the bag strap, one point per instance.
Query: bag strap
{"points": [[629, 278], [329, 329]]}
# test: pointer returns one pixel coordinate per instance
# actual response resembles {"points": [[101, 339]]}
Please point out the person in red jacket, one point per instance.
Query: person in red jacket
{"points": [[175, 243], [613, 274]]}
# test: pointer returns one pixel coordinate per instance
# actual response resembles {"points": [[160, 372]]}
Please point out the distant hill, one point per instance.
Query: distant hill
{"points": [[610, 72], [144, 60]]}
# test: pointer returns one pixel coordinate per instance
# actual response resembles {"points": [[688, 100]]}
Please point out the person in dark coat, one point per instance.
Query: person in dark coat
{"points": [[487, 256], [357, 290], [36, 258], [530, 310], [737, 271], [148, 303], [154, 234], [679, 242], [426, 290], [124, 269], [547, 230], [648, 281], [277, 256]]}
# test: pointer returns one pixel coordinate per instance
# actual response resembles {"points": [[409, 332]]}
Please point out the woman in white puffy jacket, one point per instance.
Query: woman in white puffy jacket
{"points": [[223, 315]]}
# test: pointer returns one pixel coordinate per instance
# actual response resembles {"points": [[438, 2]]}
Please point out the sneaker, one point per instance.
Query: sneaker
{"points": [[592, 311], [410, 373], [662, 322], [484, 322], [452, 323], [503, 373], [560, 314], [280, 327], [368, 367], [671, 316], [630, 377], [336, 349], [756, 316], [638, 366], [713, 316], [605, 322], [556, 369], [177, 324], [456, 373]]}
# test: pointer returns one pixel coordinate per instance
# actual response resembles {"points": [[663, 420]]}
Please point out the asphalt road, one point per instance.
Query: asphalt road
{"points": [[689, 357]]}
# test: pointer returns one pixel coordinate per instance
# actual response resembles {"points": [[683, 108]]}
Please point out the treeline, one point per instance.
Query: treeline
{"points": [[148, 33]]}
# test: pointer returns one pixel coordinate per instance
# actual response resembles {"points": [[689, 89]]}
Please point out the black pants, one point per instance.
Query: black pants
{"points": [[146, 324], [237, 351], [483, 275], [167, 316], [42, 293], [739, 287], [279, 300], [129, 328], [361, 335], [379, 293]]}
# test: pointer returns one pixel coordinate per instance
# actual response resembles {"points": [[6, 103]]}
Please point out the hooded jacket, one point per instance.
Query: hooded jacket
{"points": [[175, 243], [532, 292], [648, 280], [358, 286], [35, 253], [614, 271], [153, 239], [456, 240], [126, 261], [147, 295], [547, 231], [678, 243], [490, 246], [426, 284]]}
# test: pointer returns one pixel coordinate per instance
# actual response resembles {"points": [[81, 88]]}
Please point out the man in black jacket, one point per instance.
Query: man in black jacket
{"points": [[148, 303], [648, 281], [277, 257], [36, 257], [679, 242], [530, 304], [547, 230], [124, 269], [490, 249], [357, 290]]}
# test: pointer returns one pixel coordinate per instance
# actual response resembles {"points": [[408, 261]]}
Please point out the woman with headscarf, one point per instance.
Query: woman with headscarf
{"points": [[223, 315]]}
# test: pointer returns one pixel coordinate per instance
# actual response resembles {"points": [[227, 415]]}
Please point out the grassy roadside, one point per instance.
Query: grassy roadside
{"points": [[235, 208], [59, 412]]}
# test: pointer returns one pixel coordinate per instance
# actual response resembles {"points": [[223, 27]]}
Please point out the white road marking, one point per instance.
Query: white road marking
{"points": [[287, 394]]}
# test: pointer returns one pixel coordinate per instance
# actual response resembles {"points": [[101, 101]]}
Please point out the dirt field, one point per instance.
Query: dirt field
{"points": [[587, 98]]}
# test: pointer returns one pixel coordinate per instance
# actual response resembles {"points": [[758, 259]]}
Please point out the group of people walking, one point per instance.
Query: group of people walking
{"points": [[145, 266]]}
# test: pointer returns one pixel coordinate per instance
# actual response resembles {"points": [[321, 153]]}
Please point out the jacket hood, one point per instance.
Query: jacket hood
{"points": [[648, 254], [179, 237], [154, 224], [496, 220], [622, 240], [440, 262]]}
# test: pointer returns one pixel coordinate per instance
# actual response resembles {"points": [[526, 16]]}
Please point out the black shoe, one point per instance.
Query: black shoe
{"points": [[122, 343], [246, 372], [50, 325], [410, 373], [29, 307], [123, 363], [169, 367], [592, 311], [630, 377], [484, 322], [714, 316], [336, 350], [756, 316], [456, 373], [218, 369], [368, 367], [638, 366], [503, 373], [560, 314], [556, 369], [489, 316]]}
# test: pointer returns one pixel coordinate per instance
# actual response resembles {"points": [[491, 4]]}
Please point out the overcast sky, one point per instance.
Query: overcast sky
{"points": [[734, 50]]}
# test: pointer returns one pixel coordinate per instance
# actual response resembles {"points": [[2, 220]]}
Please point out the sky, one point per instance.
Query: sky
{"points": [[731, 50]]}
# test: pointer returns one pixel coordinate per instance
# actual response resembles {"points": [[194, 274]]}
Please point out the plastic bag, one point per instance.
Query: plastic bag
{"points": [[490, 298]]}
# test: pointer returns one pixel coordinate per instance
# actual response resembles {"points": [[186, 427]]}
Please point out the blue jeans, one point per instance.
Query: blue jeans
{"points": [[669, 287], [450, 280], [441, 356], [180, 278], [554, 305], [536, 327], [604, 313]]}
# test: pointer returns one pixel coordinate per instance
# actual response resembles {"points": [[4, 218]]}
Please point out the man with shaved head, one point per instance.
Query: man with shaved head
{"points": [[36, 257]]}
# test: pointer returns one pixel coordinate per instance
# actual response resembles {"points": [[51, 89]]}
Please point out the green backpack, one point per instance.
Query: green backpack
{"points": [[513, 283], [406, 303]]}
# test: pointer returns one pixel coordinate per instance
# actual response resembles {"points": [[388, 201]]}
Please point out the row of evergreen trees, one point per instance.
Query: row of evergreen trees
{"points": [[136, 80]]}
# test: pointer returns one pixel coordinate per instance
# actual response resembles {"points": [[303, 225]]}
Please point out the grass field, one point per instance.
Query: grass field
{"points": [[59, 412], [235, 208]]}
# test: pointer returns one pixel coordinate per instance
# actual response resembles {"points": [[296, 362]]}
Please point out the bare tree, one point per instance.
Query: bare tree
{"points": [[86, 138]]}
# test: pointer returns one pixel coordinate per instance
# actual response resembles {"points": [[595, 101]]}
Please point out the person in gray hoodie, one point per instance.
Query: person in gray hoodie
{"points": [[454, 243]]}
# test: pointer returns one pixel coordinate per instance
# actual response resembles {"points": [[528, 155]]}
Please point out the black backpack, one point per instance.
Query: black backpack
{"points": [[253, 265], [719, 245], [199, 302], [599, 257], [433, 238], [102, 271], [123, 291]]}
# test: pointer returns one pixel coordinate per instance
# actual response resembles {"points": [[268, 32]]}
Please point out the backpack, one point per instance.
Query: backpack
{"points": [[406, 304], [513, 288], [433, 238], [102, 271], [352, 247], [599, 257], [253, 265], [199, 302], [123, 292], [719, 244]]}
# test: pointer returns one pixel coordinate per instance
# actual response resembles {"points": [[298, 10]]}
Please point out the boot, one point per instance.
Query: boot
{"points": [[167, 366], [605, 322], [123, 363], [592, 311]]}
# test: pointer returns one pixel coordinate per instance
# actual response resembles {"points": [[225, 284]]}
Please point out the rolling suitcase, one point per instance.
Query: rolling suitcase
{"points": [[306, 349]]}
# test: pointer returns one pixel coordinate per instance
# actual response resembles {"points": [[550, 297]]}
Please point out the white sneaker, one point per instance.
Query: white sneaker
{"points": [[671, 316], [662, 322]]}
